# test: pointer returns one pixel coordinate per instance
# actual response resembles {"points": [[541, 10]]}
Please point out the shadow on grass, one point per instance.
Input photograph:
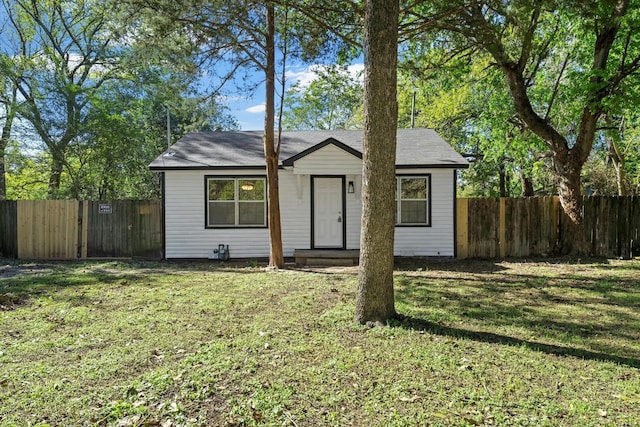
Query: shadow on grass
{"points": [[414, 323], [596, 307]]}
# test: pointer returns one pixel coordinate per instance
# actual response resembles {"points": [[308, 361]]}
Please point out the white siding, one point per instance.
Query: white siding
{"points": [[354, 214], [187, 237], [436, 240], [295, 211], [329, 160]]}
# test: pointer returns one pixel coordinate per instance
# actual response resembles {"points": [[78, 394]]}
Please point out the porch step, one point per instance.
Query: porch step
{"points": [[326, 257]]}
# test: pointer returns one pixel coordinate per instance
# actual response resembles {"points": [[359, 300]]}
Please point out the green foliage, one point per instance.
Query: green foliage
{"points": [[331, 101], [614, 166], [468, 103], [531, 69], [26, 176], [96, 100]]}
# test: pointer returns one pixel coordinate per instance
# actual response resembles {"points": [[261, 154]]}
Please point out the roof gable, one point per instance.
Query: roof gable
{"points": [[290, 161]]}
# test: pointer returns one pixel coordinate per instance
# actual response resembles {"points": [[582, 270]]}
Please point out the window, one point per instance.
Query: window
{"points": [[412, 200], [236, 202]]}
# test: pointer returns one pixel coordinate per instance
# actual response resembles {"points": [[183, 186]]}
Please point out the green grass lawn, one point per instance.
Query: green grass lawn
{"points": [[167, 344]]}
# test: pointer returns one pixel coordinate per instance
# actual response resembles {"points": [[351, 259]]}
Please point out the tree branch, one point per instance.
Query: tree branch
{"points": [[556, 87]]}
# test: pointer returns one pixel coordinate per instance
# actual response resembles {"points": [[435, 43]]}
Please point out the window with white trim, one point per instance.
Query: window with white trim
{"points": [[412, 200], [236, 202]]}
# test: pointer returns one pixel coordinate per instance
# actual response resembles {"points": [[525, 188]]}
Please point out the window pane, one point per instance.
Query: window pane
{"points": [[221, 189], [251, 189], [222, 213], [251, 213], [414, 188], [414, 212]]}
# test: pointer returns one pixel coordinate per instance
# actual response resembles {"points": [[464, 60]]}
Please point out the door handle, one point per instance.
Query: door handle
{"points": [[339, 216]]}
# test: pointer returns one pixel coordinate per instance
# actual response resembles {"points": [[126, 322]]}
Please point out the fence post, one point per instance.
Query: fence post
{"points": [[502, 231], [462, 222], [81, 221], [556, 222], [85, 229]]}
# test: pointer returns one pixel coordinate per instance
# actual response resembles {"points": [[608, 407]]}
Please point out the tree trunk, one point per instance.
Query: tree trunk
{"points": [[55, 175], [3, 181], [615, 154], [375, 299], [573, 239], [621, 177], [503, 179], [272, 153], [526, 184], [4, 140]]}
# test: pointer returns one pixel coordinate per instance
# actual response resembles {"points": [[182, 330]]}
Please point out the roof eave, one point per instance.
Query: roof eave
{"points": [[435, 166], [201, 167]]}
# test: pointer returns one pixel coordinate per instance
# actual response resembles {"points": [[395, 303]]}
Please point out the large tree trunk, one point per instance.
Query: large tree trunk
{"points": [[526, 184], [271, 152], [573, 238], [4, 141], [55, 176], [375, 299], [503, 179]]}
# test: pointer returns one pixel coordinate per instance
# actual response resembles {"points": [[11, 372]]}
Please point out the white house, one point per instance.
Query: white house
{"points": [[214, 193]]}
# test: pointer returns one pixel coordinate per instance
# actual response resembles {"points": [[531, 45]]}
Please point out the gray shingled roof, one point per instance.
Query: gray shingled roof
{"points": [[243, 149]]}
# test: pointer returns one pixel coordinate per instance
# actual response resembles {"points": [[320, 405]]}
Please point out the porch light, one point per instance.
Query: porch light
{"points": [[247, 186], [351, 187]]}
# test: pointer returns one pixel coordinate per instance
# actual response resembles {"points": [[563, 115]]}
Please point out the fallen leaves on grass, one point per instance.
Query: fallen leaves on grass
{"points": [[8, 301]]}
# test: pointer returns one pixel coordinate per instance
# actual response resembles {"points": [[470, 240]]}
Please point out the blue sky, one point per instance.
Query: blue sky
{"points": [[248, 109]]}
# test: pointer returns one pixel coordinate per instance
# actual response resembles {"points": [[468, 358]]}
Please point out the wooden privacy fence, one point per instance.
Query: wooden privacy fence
{"points": [[486, 228], [70, 229], [506, 227]]}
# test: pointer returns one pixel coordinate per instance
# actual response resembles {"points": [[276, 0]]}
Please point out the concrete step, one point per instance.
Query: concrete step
{"points": [[326, 257]]}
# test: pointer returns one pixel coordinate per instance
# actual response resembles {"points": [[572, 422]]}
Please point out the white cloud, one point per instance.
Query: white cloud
{"points": [[256, 109], [303, 77], [354, 69]]}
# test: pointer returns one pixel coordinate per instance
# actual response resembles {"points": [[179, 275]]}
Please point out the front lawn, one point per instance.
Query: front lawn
{"points": [[167, 344]]}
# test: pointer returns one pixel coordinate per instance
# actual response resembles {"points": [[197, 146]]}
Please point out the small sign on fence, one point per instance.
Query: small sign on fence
{"points": [[104, 209]]}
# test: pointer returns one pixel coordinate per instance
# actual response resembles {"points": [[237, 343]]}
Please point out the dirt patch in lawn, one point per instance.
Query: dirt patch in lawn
{"points": [[13, 270]]}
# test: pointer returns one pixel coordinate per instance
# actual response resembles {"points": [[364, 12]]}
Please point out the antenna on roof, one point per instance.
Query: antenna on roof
{"points": [[168, 128], [413, 109]]}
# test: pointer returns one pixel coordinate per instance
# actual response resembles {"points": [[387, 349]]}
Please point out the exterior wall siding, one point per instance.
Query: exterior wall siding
{"points": [[438, 239], [185, 233], [329, 160], [295, 211], [187, 237]]}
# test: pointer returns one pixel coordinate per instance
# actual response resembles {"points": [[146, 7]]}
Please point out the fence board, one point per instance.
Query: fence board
{"points": [[484, 220], [108, 229], [8, 229], [486, 228], [47, 229], [124, 228], [146, 236], [462, 228], [530, 227], [635, 226]]}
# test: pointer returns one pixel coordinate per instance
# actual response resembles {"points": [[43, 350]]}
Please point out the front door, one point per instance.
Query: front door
{"points": [[328, 220]]}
